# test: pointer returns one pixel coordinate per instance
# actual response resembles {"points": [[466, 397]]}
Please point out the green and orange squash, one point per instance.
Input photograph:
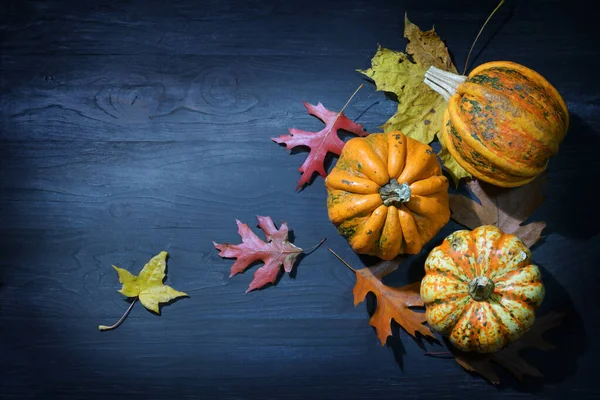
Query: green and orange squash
{"points": [[481, 289], [503, 122], [387, 195]]}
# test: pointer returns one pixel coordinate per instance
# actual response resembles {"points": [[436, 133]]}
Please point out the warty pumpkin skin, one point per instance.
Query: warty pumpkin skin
{"points": [[503, 123], [480, 289], [387, 195]]}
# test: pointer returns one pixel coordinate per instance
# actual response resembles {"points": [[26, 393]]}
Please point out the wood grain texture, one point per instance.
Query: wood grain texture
{"points": [[130, 127]]}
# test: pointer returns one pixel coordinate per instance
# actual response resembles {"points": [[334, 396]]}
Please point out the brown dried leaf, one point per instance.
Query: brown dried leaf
{"points": [[505, 208], [385, 267], [509, 357], [426, 48]]}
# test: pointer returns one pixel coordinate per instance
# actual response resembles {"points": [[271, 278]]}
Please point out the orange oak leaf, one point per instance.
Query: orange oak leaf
{"points": [[321, 142], [509, 357], [505, 208], [276, 252], [392, 303]]}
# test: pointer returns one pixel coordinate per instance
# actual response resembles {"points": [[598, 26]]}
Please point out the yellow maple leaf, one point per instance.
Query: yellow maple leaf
{"points": [[420, 109], [452, 166], [148, 286]]}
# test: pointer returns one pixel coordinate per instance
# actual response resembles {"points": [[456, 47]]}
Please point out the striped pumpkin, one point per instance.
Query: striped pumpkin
{"points": [[481, 289], [503, 122], [387, 195]]}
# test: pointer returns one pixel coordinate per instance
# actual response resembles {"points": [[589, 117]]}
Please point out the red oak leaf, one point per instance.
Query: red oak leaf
{"points": [[320, 143], [275, 252]]}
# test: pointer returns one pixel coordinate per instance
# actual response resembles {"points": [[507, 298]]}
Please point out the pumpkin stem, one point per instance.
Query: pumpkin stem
{"points": [[394, 193], [444, 82], [481, 288]]}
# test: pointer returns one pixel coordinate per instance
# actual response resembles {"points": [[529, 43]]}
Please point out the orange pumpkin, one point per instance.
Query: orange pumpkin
{"points": [[481, 289], [503, 122], [387, 195]]}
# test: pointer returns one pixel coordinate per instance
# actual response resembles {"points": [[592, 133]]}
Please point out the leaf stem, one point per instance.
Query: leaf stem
{"points": [[314, 247], [107, 328], [351, 97], [481, 30], [342, 260], [438, 353]]}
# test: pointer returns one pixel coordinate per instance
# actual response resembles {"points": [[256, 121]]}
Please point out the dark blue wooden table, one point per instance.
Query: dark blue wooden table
{"points": [[131, 127]]}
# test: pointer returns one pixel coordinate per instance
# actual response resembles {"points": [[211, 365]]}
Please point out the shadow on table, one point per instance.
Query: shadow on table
{"points": [[571, 186], [569, 339]]}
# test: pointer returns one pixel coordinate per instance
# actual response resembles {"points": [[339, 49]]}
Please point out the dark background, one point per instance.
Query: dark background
{"points": [[131, 127]]}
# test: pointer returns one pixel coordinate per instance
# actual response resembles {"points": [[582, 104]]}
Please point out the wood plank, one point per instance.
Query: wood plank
{"points": [[202, 98], [180, 99], [228, 358], [237, 27]]}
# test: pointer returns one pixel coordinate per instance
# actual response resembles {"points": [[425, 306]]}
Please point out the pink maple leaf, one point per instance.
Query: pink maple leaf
{"points": [[277, 251], [320, 143]]}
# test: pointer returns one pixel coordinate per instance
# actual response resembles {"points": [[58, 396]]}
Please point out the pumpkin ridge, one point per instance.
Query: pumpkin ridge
{"points": [[490, 177], [520, 258], [521, 299], [475, 320], [461, 279], [366, 236], [421, 163], [507, 275], [533, 76], [461, 327], [472, 246], [505, 332], [484, 254], [397, 153], [340, 179], [391, 239], [477, 86], [364, 205], [499, 303], [420, 223], [451, 298], [412, 238], [478, 146], [466, 266], [427, 187], [532, 135], [370, 163], [463, 304], [439, 256]]}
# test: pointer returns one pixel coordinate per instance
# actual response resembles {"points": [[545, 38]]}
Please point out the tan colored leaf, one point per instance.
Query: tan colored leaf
{"points": [[426, 48], [506, 208], [509, 357]]}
